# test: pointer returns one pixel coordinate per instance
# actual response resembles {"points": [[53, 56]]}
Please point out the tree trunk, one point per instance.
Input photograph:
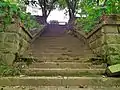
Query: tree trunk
{"points": [[71, 20], [44, 14]]}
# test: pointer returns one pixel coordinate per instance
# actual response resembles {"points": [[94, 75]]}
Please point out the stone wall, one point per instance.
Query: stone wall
{"points": [[112, 43], [104, 39], [96, 40], [13, 39]]}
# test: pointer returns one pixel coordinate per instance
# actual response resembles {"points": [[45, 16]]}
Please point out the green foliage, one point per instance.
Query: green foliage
{"points": [[10, 12], [91, 12], [7, 12], [29, 21], [6, 70]]}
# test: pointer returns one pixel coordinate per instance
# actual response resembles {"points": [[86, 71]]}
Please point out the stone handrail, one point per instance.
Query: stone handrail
{"points": [[15, 39], [104, 39], [36, 32]]}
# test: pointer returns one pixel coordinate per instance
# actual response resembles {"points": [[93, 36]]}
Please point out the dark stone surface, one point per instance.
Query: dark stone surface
{"points": [[54, 30]]}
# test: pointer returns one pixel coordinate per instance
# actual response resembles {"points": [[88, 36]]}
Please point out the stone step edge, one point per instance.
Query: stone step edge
{"points": [[80, 87], [62, 72], [48, 62], [66, 69], [65, 65], [61, 63], [59, 81]]}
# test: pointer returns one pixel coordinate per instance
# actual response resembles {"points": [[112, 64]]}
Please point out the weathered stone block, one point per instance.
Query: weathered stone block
{"points": [[92, 38], [100, 41], [1, 54], [13, 28], [9, 47], [23, 45], [12, 40], [113, 48], [92, 45], [25, 35], [97, 43], [1, 27], [98, 34], [113, 59], [119, 29], [97, 51], [110, 29], [113, 38], [113, 70], [11, 37], [104, 50], [1, 45], [8, 58], [2, 36], [117, 22]]}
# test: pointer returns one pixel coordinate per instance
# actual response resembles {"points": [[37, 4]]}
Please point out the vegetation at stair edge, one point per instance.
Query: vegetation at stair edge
{"points": [[10, 12], [6, 70], [91, 12]]}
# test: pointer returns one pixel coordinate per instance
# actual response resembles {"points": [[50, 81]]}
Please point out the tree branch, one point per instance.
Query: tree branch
{"points": [[97, 2]]}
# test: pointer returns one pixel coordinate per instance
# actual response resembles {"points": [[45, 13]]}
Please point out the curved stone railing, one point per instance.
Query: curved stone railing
{"points": [[104, 39]]}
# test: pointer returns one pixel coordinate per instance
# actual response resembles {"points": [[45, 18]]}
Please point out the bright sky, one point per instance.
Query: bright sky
{"points": [[58, 15], [54, 15]]}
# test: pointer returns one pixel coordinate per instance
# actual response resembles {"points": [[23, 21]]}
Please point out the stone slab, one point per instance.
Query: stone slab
{"points": [[59, 81]]}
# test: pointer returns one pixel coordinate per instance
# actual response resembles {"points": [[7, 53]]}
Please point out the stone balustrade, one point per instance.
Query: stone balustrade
{"points": [[104, 39], [14, 40]]}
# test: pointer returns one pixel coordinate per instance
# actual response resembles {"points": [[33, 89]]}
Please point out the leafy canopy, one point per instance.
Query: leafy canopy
{"points": [[10, 11], [92, 10]]}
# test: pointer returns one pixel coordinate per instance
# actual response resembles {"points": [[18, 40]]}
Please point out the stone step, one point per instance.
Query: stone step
{"points": [[58, 42], [60, 54], [62, 72], [57, 38], [60, 81], [63, 37], [65, 65], [62, 45], [56, 51], [59, 48], [79, 55], [61, 51], [62, 58], [80, 87], [54, 46]]}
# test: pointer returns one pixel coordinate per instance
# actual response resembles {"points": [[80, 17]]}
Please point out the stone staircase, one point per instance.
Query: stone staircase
{"points": [[62, 56], [63, 64], [63, 60]]}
